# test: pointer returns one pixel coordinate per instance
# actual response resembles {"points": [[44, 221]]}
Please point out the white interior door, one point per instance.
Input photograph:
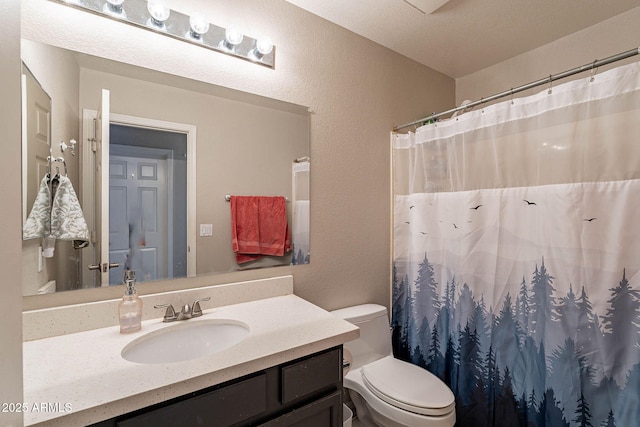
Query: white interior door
{"points": [[95, 200], [102, 187], [138, 223], [36, 137]]}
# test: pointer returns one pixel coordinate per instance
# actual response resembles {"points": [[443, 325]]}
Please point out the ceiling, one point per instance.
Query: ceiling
{"points": [[464, 36]]}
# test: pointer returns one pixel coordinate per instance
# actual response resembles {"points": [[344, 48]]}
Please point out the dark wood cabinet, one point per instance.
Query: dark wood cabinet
{"points": [[326, 411], [304, 392]]}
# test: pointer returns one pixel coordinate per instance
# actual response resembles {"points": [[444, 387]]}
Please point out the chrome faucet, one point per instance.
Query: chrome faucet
{"points": [[187, 311]]}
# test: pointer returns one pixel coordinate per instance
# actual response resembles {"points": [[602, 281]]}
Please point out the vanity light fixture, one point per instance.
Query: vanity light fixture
{"points": [[155, 15]]}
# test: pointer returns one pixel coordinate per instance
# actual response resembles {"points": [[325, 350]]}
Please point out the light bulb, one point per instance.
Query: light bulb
{"points": [[233, 37], [159, 11], [264, 45], [199, 25], [114, 8]]}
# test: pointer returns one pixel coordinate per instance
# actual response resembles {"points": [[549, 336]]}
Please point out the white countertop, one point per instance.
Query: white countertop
{"points": [[80, 378]]}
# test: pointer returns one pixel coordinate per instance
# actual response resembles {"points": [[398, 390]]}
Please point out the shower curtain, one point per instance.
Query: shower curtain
{"points": [[516, 266], [301, 212]]}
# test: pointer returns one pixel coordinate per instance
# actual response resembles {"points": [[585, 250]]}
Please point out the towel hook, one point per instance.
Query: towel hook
{"points": [[72, 145]]}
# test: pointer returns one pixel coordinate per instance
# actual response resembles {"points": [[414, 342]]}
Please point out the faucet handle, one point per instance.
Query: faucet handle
{"points": [[195, 309], [169, 315]]}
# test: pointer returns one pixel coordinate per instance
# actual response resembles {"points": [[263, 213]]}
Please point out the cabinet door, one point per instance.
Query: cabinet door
{"points": [[226, 406], [324, 412], [312, 375]]}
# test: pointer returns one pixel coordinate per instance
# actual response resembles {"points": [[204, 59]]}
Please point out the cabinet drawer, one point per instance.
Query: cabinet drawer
{"points": [[223, 407], [311, 375], [325, 412]]}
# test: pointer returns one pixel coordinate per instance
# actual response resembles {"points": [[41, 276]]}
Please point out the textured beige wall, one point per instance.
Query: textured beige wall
{"points": [[599, 41], [11, 224], [357, 91]]}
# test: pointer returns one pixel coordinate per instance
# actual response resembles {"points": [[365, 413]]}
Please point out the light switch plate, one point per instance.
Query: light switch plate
{"points": [[206, 230]]}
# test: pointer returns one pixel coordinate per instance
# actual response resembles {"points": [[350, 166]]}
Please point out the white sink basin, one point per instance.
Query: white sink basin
{"points": [[186, 340]]}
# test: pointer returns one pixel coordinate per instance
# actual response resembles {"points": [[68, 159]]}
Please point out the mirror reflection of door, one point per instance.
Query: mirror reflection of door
{"points": [[36, 129], [101, 189], [141, 197], [147, 203]]}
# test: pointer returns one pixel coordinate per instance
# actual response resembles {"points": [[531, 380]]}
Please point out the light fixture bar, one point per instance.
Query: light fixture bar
{"points": [[177, 25]]}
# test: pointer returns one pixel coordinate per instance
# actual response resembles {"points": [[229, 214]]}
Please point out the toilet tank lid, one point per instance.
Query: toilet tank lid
{"points": [[361, 313]]}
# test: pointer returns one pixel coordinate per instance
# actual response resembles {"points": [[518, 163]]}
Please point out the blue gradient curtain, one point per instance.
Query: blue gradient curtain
{"points": [[517, 255]]}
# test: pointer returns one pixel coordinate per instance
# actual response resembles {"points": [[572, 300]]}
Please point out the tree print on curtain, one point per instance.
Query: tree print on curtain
{"points": [[528, 307]]}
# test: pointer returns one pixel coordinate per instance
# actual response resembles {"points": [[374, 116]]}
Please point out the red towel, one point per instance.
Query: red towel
{"points": [[259, 227]]}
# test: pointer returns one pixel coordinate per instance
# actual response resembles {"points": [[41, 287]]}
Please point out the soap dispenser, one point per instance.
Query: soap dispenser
{"points": [[130, 308]]}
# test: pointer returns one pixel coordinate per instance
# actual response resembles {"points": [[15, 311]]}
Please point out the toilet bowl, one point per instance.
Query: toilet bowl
{"points": [[386, 391]]}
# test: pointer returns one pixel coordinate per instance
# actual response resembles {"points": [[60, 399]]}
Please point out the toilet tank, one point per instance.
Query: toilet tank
{"points": [[375, 334]]}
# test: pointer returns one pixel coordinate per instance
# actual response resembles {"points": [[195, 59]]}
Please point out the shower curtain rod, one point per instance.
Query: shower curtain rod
{"points": [[547, 80]]}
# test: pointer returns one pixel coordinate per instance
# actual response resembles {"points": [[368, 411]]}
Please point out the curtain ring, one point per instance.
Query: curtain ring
{"points": [[594, 70], [550, 84], [482, 103], [512, 97]]}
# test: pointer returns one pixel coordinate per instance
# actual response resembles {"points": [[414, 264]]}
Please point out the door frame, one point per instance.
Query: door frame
{"points": [[88, 177]]}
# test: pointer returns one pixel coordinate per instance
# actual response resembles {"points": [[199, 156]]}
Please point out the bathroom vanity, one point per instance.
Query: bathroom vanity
{"points": [[286, 371], [306, 391]]}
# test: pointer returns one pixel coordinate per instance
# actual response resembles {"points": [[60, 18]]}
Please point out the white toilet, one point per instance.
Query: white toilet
{"points": [[386, 391]]}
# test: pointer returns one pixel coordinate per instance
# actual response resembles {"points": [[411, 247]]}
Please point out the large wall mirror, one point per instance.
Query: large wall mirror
{"points": [[155, 158]]}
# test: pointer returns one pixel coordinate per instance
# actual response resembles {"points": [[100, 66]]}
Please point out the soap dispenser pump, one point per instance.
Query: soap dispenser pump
{"points": [[130, 308]]}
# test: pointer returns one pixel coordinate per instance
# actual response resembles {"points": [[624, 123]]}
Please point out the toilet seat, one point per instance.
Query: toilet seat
{"points": [[408, 387]]}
